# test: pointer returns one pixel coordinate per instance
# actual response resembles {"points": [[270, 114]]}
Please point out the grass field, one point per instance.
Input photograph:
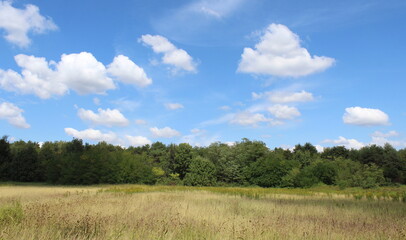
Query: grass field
{"points": [[164, 212]]}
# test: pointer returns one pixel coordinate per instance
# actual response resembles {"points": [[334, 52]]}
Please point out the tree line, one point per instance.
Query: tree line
{"points": [[246, 163]]}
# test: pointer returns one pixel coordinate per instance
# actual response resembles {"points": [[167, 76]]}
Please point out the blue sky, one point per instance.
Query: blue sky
{"points": [[136, 72]]}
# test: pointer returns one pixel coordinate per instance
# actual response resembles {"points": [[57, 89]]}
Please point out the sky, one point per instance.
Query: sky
{"points": [[134, 72]]}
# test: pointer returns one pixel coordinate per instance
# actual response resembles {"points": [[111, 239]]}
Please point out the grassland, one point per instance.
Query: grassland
{"points": [[169, 212]]}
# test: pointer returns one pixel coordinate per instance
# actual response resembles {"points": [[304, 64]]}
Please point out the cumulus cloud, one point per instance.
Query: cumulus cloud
{"points": [[83, 73], [13, 115], [165, 132], [36, 78], [107, 117], [92, 134], [128, 72], [173, 106], [380, 138], [138, 141], [80, 72], [17, 23], [319, 148], [284, 111], [172, 55], [365, 116], [279, 54], [347, 143], [248, 118]]}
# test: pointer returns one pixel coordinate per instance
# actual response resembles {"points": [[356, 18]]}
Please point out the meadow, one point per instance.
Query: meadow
{"points": [[177, 212]]}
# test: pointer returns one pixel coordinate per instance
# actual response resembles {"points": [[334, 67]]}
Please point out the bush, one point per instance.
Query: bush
{"points": [[173, 180]]}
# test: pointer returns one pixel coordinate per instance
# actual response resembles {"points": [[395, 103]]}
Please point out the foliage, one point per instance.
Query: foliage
{"points": [[201, 173], [242, 164]]}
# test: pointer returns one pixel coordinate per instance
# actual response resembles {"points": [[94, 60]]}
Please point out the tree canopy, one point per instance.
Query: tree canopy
{"points": [[244, 163]]}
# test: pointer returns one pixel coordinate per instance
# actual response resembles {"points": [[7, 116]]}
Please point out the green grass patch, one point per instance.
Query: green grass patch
{"points": [[12, 213]]}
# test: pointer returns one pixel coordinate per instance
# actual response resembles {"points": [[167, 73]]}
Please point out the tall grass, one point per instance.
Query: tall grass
{"points": [[161, 212]]}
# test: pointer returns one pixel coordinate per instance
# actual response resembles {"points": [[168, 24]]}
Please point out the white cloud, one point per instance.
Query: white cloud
{"points": [[225, 108], [83, 73], [248, 118], [165, 132], [284, 112], [319, 148], [256, 96], [365, 116], [210, 12], [17, 23], [286, 97], [127, 71], [348, 143], [173, 106], [220, 120], [108, 117], [174, 56], [199, 137], [96, 101], [214, 8], [13, 115], [380, 138], [230, 144], [36, 78], [196, 131], [92, 134], [385, 135], [279, 54], [125, 104], [80, 72], [138, 140], [140, 122]]}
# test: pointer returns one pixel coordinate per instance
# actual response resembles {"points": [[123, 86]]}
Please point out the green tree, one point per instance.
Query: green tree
{"points": [[393, 166], [307, 147], [305, 158], [134, 168], [228, 169], [5, 159], [369, 176], [335, 153], [50, 160], [25, 166], [201, 172], [325, 172], [269, 171], [182, 159]]}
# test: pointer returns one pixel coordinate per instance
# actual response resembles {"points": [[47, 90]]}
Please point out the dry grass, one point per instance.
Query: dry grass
{"points": [[180, 213]]}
